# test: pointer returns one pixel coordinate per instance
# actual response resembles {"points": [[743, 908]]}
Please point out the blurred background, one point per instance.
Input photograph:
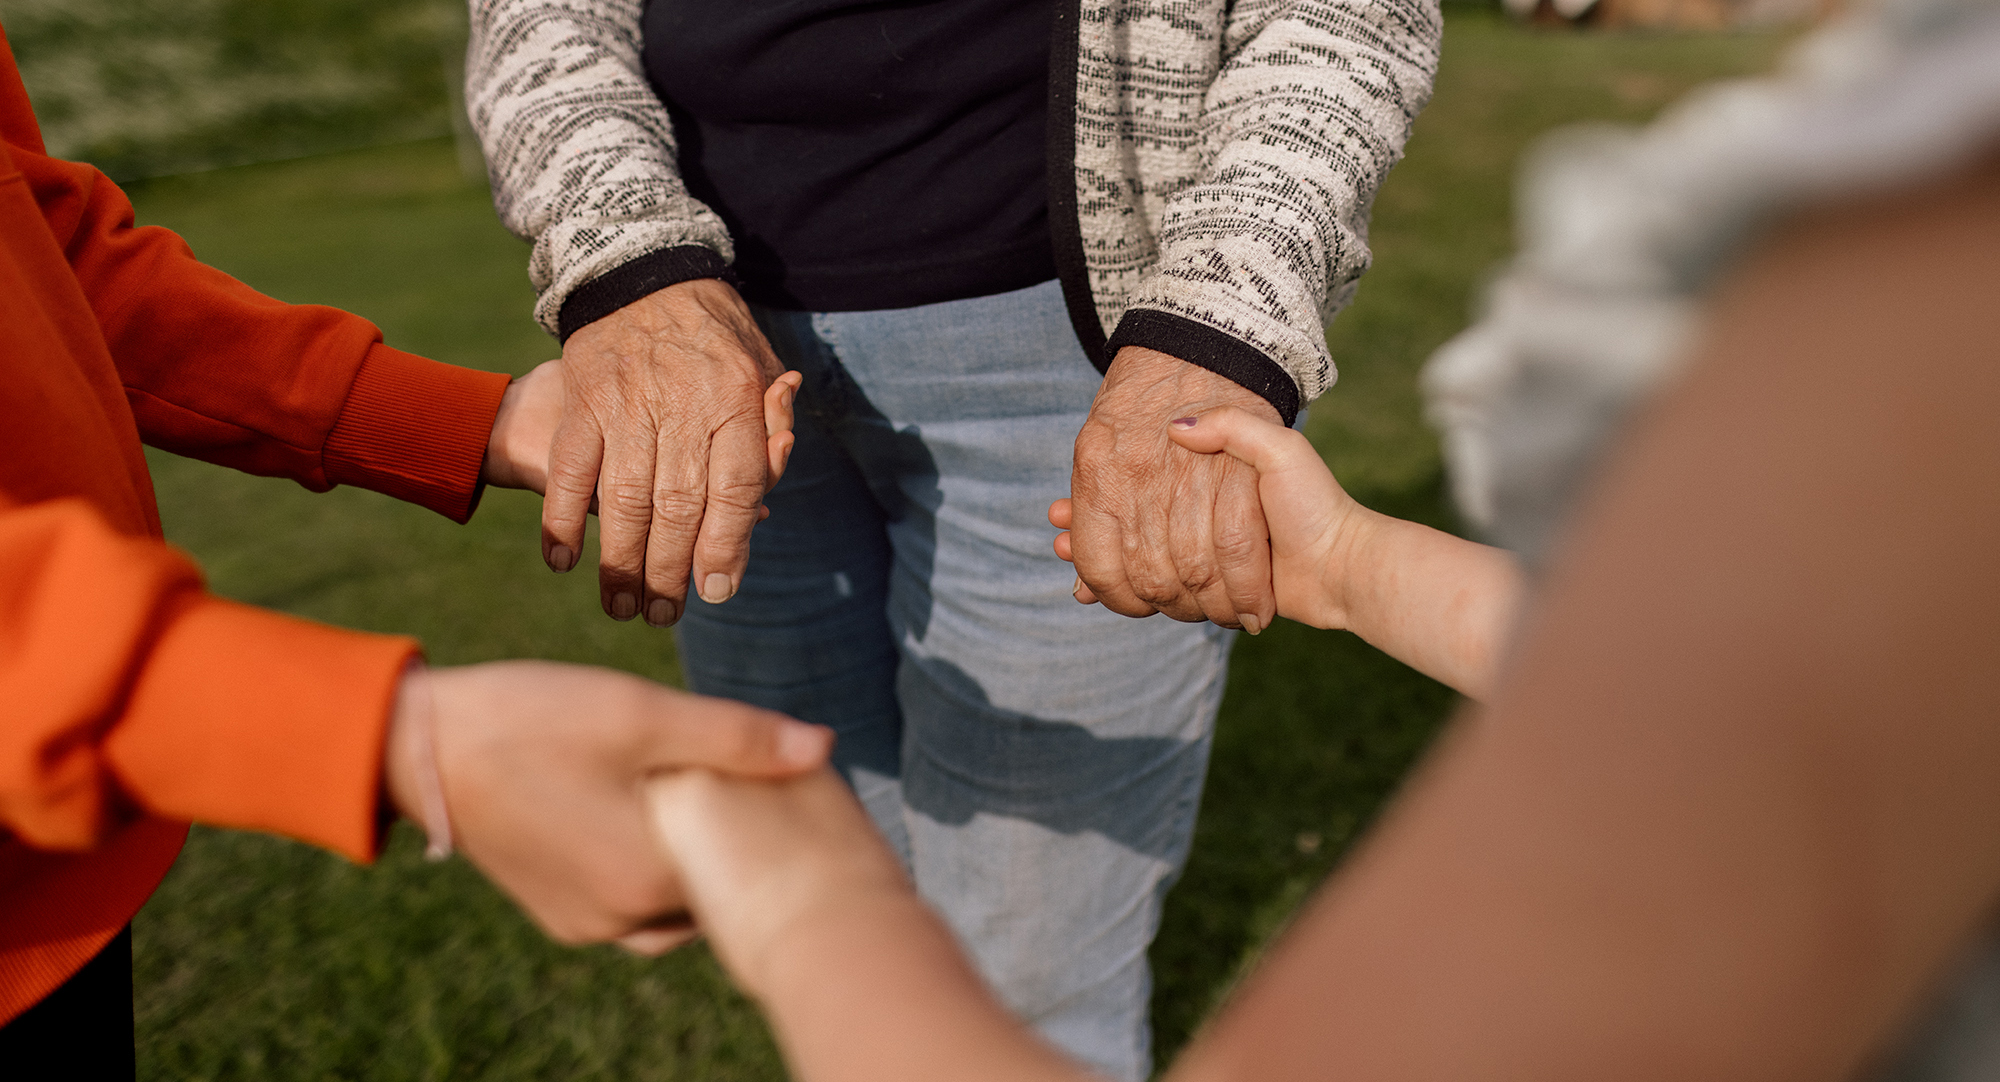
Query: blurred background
{"points": [[317, 150]]}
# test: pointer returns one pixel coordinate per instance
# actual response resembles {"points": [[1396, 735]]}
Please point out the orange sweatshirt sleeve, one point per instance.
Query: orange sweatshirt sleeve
{"points": [[125, 687], [132, 689], [217, 371]]}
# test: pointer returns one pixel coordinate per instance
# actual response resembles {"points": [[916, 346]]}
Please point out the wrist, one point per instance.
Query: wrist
{"points": [[1144, 384], [410, 773], [1351, 566], [1213, 351], [843, 928], [631, 282]]}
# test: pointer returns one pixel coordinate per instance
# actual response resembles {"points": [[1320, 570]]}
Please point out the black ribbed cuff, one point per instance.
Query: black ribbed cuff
{"points": [[650, 273], [1202, 345]]}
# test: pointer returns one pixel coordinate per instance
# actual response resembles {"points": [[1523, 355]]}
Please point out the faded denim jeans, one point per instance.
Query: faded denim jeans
{"points": [[1037, 762]]}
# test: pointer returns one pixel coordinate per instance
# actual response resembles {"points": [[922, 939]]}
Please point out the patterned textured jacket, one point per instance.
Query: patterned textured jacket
{"points": [[1211, 167]]}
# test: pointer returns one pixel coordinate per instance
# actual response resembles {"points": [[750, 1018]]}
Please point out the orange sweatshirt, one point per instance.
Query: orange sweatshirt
{"points": [[132, 700]]}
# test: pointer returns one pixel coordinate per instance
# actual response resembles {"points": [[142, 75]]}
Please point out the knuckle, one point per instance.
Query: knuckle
{"points": [[1154, 589], [1237, 545], [623, 497], [572, 461], [737, 493], [1202, 581], [676, 509]]}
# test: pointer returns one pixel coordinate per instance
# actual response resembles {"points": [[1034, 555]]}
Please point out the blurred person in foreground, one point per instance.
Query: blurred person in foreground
{"points": [[1727, 808], [133, 701]]}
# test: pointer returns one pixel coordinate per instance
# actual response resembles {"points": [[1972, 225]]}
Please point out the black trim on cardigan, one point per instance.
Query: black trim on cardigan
{"points": [[620, 286], [1065, 227], [1203, 345]]}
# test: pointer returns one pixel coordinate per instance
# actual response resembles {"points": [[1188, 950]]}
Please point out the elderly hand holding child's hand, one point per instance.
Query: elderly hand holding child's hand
{"points": [[1438, 603]]}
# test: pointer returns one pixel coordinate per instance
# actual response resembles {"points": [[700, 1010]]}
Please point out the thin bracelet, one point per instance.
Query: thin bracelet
{"points": [[423, 759]]}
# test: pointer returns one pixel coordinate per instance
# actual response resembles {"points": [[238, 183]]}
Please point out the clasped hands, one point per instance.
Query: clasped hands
{"points": [[658, 424], [535, 767]]}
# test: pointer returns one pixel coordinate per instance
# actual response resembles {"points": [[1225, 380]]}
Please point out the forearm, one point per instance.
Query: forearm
{"points": [[171, 701], [1440, 604], [593, 197], [1301, 123], [880, 992]]}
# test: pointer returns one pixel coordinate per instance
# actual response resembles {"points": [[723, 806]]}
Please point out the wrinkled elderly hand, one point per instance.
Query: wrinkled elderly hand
{"points": [[540, 765], [662, 423], [1154, 527]]}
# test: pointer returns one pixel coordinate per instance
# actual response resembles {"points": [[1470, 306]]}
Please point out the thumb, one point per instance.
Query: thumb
{"points": [[1303, 504], [731, 738], [1266, 446]]}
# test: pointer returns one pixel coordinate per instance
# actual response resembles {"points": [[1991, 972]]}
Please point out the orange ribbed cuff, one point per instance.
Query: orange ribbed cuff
{"points": [[246, 718], [415, 429]]}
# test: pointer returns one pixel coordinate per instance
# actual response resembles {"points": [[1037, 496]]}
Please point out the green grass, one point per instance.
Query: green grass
{"points": [[261, 959]]}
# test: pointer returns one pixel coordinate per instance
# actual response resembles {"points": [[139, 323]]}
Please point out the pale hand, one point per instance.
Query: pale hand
{"points": [[1154, 527], [764, 861], [541, 766], [662, 425]]}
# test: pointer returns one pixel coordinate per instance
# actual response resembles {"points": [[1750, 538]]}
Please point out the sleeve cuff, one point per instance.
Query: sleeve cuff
{"points": [[415, 429], [250, 719], [1202, 345], [650, 273]]}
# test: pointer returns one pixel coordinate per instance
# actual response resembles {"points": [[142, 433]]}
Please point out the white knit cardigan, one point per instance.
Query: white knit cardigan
{"points": [[1220, 160]]}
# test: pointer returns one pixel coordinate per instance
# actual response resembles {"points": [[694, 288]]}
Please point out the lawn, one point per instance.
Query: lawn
{"points": [[262, 959]]}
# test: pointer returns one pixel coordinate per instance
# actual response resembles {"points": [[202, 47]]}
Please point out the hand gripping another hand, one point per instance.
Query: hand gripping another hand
{"points": [[1154, 527], [540, 767]]}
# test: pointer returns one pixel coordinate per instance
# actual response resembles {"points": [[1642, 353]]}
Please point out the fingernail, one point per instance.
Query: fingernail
{"points": [[803, 745], [561, 557], [660, 613], [1251, 624], [1077, 590], [716, 588], [1185, 422], [624, 606]]}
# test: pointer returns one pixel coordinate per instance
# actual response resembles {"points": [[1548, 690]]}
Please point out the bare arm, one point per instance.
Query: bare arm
{"points": [[813, 917], [1732, 808]]}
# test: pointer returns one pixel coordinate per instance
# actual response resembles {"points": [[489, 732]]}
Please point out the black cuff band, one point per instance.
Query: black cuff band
{"points": [[650, 273], [1203, 345]]}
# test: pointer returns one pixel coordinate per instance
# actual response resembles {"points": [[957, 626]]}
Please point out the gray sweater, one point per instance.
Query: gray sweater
{"points": [[1220, 162]]}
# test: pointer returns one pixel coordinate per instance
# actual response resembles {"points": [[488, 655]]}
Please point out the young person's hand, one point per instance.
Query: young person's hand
{"points": [[764, 862], [1440, 604], [1306, 510], [539, 769], [812, 916], [1155, 529], [1314, 524]]}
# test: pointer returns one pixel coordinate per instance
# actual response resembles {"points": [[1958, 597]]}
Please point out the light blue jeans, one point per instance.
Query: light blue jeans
{"points": [[1037, 762]]}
